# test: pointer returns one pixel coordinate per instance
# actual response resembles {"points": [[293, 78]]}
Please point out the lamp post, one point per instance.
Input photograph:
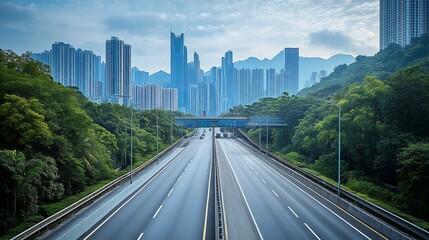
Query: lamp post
{"points": [[157, 145], [171, 127], [260, 143], [267, 131], [131, 146]]}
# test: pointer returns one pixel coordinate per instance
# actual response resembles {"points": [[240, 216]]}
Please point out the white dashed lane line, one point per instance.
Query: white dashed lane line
{"points": [[159, 209], [292, 211], [311, 230]]}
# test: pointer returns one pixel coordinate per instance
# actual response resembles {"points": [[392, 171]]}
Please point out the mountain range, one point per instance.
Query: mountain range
{"points": [[307, 65]]}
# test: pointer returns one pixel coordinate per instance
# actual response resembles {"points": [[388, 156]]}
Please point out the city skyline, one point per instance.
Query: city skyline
{"points": [[318, 28]]}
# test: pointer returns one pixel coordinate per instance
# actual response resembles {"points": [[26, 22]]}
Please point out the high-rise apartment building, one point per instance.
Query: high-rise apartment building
{"points": [[402, 20], [75, 67], [118, 71], [62, 62], [292, 70], [271, 83]]}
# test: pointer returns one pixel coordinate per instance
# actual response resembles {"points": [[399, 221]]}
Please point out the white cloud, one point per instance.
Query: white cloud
{"points": [[259, 28]]}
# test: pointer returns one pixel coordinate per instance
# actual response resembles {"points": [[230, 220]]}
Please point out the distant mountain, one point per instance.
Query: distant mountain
{"points": [[161, 78], [382, 65], [307, 65]]}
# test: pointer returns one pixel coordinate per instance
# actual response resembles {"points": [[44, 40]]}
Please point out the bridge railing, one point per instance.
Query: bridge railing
{"points": [[58, 217], [377, 211]]}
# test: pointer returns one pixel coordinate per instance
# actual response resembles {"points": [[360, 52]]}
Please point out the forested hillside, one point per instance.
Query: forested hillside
{"points": [[385, 127], [382, 65], [54, 142]]}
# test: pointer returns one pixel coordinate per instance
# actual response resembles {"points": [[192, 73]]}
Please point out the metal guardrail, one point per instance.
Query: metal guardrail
{"points": [[394, 219], [53, 220]]}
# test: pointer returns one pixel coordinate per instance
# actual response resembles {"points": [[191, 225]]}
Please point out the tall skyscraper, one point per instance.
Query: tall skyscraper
{"points": [[178, 65], [62, 62], [402, 20], [292, 70], [228, 80], [118, 71], [271, 83]]}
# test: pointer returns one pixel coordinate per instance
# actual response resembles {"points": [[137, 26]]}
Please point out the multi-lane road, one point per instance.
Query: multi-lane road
{"points": [[172, 205], [261, 200], [279, 206]]}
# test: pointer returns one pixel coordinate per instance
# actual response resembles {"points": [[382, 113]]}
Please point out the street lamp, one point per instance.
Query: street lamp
{"points": [[267, 131], [131, 146], [157, 145]]}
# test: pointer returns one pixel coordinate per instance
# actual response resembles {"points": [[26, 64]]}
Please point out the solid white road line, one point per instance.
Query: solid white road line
{"points": [[131, 198], [342, 219], [208, 197], [159, 209], [311, 230], [140, 236], [242, 193], [275, 193], [292, 211]]}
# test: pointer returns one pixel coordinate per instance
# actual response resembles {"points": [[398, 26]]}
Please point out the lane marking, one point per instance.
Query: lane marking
{"points": [[311, 230], [251, 167], [293, 212], [140, 236], [271, 165], [256, 173], [170, 192], [242, 193], [208, 197], [263, 181], [179, 178], [135, 194], [185, 169], [159, 209], [342, 219], [275, 193]]}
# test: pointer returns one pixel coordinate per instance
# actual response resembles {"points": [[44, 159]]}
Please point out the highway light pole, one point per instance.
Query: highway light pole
{"points": [[339, 142], [267, 131], [157, 145], [131, 146]]}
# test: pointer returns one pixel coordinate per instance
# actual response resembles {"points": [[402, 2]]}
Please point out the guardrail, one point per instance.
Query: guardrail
{"points": [[56, 218], [377, 211]]}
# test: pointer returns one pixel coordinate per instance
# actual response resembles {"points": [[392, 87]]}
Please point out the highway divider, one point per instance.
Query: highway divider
{"points": [[60, 216], [346, 200]]}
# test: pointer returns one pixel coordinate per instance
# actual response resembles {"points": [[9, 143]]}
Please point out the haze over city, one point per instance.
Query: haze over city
{"points": [[249, 28]]}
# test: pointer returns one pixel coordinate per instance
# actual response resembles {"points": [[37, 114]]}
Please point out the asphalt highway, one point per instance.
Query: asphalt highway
{"points": [[280, 206], [174, 204]]}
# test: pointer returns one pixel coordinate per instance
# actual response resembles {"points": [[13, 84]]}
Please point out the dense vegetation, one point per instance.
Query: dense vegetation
{"points": [[382, 65], [54, 142], [385, 128]]}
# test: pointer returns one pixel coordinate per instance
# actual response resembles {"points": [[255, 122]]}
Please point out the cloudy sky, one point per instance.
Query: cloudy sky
{"points": [[259, 28]]}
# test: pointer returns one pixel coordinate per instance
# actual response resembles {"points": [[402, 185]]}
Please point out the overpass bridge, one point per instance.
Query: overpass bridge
{"points": [[233, 122]]}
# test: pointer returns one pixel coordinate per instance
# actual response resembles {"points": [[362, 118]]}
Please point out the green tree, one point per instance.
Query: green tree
{"points": [[413, 168], [22, 124]]}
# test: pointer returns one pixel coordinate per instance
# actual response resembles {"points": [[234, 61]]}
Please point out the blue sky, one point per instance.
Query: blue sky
{"points": [[259, 28]]}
